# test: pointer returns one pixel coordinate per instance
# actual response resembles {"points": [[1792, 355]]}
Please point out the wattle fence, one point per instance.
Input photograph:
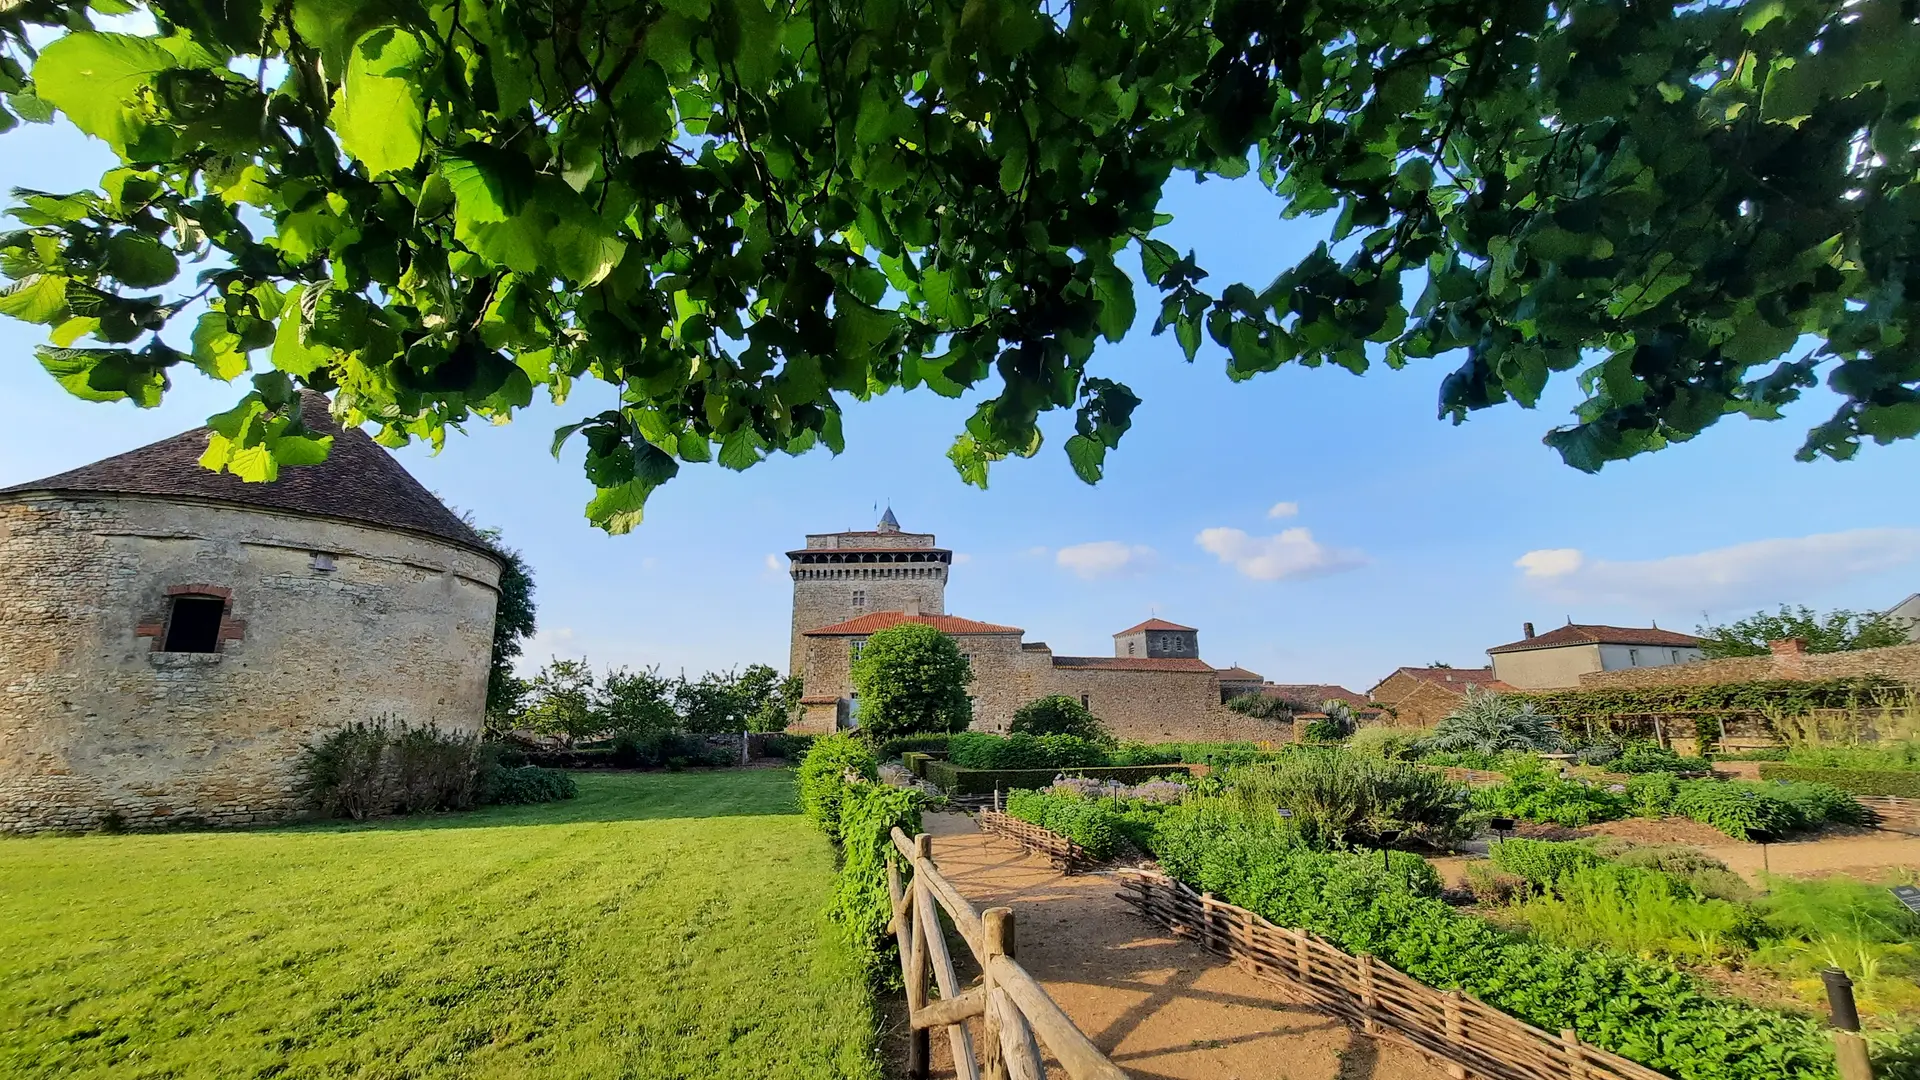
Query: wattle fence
{"points": [[1063, 852], [1473, 1038]]}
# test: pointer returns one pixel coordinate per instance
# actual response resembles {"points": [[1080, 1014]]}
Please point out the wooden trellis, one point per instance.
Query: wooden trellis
{"points": [[1017, 1016]]}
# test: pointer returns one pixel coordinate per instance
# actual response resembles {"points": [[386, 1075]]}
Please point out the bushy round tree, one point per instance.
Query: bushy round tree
{"points": [[911, 679], [1058, 714]]}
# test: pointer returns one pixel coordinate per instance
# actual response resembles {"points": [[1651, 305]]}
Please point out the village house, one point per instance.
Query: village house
{"points": [[1423, 696], [1558, 658]]}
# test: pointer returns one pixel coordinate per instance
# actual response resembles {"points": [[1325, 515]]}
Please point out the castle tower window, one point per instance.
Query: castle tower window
{"points": [[860, 598], [859, 645], [193, 624], [1129, 648], [1179, 645]]}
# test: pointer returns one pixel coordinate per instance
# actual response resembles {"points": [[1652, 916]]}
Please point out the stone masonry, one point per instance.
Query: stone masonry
{"points": [[324, 622]]}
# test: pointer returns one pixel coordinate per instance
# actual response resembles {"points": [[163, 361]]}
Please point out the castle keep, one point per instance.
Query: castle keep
{"points": [[171, 638], [847, 585]]}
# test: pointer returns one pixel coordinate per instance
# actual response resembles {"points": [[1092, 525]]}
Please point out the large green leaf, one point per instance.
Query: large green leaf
{"points": [[36, 298], [92, 76], [140, 260], [379, 114]]}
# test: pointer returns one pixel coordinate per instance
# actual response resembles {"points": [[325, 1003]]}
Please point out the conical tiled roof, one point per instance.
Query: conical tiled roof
{"points": [[359, 481], [889, 523]]}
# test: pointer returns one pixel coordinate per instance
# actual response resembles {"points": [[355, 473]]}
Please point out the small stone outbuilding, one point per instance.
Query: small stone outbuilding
{"points": [[172, 638]]}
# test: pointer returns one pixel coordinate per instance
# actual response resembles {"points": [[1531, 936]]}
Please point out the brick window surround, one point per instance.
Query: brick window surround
{"points": [[231, 629]]}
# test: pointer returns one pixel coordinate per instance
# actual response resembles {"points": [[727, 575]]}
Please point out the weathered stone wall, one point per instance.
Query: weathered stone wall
{"points": [[1896, 662], [823, 595], [1416, 702], [95, 721], [1160, 706]]}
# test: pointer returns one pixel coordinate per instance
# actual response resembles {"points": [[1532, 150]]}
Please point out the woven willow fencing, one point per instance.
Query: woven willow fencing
{"points": [[1476, 1039], [1892, 810], [1017, 1017], [1063, 852]]}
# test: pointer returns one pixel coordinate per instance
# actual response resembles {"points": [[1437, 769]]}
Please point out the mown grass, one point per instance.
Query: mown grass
{"points": [[660, 925]]}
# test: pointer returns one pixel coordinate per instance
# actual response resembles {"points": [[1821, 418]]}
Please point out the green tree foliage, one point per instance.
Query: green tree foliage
{"points": [[1839, 630], [753, 699], [911, 678], [1058, 714], [513, 623], [1261, 706], [563, 701], [638, 702], [745, 216]]}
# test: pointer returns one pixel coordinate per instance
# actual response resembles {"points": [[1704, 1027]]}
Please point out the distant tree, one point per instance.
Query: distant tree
{"points": [[562, 701], [767, 697], [1261, 706], [1058, 714], [1839, 630], [911, 678], [513, 623], [1441, 664], [639, 702]]}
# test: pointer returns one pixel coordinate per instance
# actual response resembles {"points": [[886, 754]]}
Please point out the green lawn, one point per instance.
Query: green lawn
{"points": [[660, 925]]}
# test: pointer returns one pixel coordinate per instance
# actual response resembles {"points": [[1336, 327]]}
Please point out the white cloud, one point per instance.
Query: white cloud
{"points": [[1290, 554], [545, 644], [775, 564], [1103, 558], [1284, 510], [1760, 572], [1550, 562]]}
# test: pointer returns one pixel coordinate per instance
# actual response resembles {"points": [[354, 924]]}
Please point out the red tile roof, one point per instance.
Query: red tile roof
{"points": [[1238, 674], [1155, 624], [1314, 694], [1457, 678], [359, 481], [880, 620], [1133, 663], [1580, 634]]}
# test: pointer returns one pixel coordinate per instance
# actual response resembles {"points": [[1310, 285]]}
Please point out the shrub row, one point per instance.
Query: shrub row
{"points": [[1786, 695], [1645, 1010], [365, 770], [1904, 783], [958, 781], [838, 793], [1094, 824], [978, 750], [1743, 810]]}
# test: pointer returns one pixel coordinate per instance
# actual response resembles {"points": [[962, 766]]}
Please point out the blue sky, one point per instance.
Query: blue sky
{"points": [[1315, 526]]}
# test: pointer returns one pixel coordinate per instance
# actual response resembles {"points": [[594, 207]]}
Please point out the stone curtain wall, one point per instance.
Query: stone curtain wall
{"points": [[95, 722], [1897, 662], [1415, 702], [1162, 706]]}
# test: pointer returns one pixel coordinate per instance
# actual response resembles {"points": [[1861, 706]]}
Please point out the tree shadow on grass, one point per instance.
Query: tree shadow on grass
{"points": [[612, 796]]}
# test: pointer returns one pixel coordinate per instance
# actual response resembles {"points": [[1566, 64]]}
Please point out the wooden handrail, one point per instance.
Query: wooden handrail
{"points": [[1014, 1006]]}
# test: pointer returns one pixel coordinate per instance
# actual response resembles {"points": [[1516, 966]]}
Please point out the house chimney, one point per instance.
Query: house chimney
{"points": [[912, 609], [1526, 630], [1789, 657]]}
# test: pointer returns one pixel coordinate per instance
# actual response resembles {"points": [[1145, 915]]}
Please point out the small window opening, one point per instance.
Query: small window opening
{"points": [[322, 562], [1129, 648], [1179, 645], [1083, 702], [193, 625], [859, 598], [859, 646], [1633, 657]]}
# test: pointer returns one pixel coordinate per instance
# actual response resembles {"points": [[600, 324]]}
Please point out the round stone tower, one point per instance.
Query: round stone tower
{"points": [[171, 638]]}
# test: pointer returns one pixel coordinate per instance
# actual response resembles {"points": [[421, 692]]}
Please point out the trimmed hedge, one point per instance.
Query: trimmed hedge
{"points": [[958, 781], [1904, 783]]}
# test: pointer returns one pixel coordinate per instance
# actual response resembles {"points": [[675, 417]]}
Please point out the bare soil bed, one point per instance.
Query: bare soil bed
{"points": [[1161, 1007]]}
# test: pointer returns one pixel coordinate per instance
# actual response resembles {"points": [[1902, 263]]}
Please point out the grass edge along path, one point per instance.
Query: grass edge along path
{"points": [[658, 926]]}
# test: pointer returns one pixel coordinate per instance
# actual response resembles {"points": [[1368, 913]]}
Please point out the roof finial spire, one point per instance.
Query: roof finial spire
{"points": [[889, 523]]}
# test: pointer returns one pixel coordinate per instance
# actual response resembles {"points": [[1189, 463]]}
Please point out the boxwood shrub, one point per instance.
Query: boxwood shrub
{"points": [[1094, 824], [1904, 783], [1645, 1010], [958, 781]]}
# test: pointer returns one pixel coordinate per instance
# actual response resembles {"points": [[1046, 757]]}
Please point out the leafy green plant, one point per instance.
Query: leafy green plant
{"points": [[824, 773], [912, 679], [1385, 741], [867, 815], [1540, 863], [365, 770], [1490, 723], [979, 750], [1742, 809], [1534, 794], [1648, 757], [1261, 706], [1652, 794], [1835, 631], [1058, 714], [1704, 874], [1093, 823], [1901, 754], [1643, 912], [525, 784], [1339, 799], [1601, 710], [1643, 1009]]}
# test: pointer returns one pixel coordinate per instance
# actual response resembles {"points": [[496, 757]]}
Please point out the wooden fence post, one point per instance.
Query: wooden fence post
{"points": [[919, 1042], [1367, 1023], [1302, 954], [1576, 1057], [1850, 1050], [1248, 955], [1456, 1031], [999, 924]]}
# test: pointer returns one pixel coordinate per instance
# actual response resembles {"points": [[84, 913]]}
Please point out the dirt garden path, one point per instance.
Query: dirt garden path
{"points": [[1162, 1008]]}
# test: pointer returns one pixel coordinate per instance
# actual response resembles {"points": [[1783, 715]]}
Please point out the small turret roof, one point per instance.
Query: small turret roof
{"points": [[889, 523], [359, 482]]}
